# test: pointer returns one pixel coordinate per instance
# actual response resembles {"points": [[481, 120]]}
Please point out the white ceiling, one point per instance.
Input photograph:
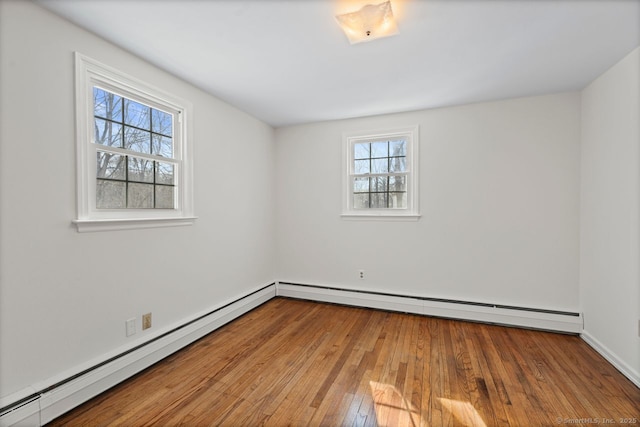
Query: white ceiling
{"points": [[287, 61]]}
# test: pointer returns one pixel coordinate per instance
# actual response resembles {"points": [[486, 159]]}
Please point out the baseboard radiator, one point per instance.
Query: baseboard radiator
{"points": [[35, 407], [40, 406], [525, 317]]}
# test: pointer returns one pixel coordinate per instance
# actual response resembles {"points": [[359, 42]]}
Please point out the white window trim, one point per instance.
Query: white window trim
{"points": [[411, 213], [90, 72]]}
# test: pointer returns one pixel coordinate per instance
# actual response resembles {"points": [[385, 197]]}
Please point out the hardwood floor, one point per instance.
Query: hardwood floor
{"points": [[293, 362]]}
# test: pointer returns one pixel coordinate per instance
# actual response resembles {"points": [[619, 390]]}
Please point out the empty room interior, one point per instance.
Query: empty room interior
{"points": [[319, 212]]}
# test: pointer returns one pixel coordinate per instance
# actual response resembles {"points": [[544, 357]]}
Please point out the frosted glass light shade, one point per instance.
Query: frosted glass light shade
{"points": [[369, 23]]}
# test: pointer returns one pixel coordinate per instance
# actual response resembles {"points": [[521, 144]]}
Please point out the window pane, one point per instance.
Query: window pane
{"points": [[110, 166], [164, 197], [361, 201], [162, 146], [398, 200], [110, 194], [161, 122], [361, 185], [397, 183], [107, 105], [379, 183], [137, 140], [140, 195], [107, 133], [164, 173], [378, 200], [381, 172], [380, 149], [398, 164], [361, 166], [361, 151], [380, 165], [140, 169], [136, 114], [398, 148]]}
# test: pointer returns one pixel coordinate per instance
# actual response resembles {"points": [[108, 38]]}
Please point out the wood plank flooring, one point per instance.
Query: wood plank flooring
{"points": [[301, 363]]}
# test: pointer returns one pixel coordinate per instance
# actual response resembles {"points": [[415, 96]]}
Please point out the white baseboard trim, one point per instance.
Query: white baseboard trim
{"points": [[611, 357], [54, 401], [510, 316], [51, 402]]}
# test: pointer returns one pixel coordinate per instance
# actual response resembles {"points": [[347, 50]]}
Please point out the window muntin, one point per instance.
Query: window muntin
{"points": [[125, 179], [381, 174]]}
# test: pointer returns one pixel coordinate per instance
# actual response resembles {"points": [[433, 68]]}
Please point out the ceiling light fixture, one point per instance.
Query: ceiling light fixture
{"points": [[371, 22]]}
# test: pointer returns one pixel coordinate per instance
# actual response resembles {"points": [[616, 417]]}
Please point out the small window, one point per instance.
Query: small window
{"points": [[381, 174], [133, 156]]}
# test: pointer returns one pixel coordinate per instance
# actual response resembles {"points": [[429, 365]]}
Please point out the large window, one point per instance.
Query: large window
{"points": [[133, 157], [135, 167], [381, 174]]}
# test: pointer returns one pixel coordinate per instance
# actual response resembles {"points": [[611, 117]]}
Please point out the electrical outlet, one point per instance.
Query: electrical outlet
{"points": [[146, 321], [361, 274], [131, 327]]}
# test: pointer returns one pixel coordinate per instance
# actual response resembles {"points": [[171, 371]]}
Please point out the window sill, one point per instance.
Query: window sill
{"points": [[380, 217], [88, 225]]}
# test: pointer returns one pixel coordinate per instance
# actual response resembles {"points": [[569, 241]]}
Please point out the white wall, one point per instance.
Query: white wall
{"points": [[499, 197], [65, 296], [500, 201], [610, 199]]}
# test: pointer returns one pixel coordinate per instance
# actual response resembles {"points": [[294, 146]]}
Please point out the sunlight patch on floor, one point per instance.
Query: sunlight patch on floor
{"points": [[464, 412], [392, 409]]}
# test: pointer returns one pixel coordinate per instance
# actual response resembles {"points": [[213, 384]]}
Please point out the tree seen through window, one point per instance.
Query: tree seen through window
{"points": [[379, 174], [130, 170]]}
